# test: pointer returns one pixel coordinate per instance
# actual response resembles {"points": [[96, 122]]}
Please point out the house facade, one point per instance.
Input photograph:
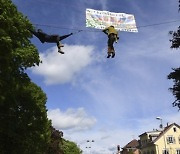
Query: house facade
{"points": [[165, 141]]}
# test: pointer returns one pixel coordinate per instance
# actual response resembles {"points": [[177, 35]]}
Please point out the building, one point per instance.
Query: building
{"points": [[165, 141], [131, 148]]}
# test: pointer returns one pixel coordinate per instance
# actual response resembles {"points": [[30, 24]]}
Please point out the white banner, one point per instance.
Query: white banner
{"points": [[103, 19]]}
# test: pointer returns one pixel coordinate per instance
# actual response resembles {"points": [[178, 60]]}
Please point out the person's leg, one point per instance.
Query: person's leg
{"points": [[59, 45], [58, 40], [110, 45], [113, 52], [109, 52], [59, 48]]}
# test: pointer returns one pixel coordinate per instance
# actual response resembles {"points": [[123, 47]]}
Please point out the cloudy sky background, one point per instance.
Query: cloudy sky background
{"points": [[90, 97]]}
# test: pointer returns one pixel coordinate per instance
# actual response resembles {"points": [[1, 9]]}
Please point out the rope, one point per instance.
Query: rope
{"points": [[162, 23], [77, 32], [77, 29], [61, 27]]}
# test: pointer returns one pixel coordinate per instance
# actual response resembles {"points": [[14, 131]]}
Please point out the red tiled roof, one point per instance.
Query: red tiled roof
{"points": [[133, 144]]}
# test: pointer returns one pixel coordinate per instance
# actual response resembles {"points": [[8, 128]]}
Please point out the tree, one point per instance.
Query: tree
{"points": [[175, 38], [24, 126], [25, 129], [175, 75], [70, 147], [55, 146], [23, 115]]}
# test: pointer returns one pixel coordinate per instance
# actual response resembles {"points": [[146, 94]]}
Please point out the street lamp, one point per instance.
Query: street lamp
{"points": [[161, 126], [90, 141]]}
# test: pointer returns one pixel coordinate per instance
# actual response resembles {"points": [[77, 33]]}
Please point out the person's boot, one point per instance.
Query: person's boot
{"points": [[113, 54], [60, 51], [109, 55]]}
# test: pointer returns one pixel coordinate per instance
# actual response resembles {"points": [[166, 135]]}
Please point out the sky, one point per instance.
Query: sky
{"points": [[90, 97]]}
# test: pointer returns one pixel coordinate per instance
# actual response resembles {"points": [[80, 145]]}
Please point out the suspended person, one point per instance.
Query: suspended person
{"points": [[43, 37], [112, 37]]}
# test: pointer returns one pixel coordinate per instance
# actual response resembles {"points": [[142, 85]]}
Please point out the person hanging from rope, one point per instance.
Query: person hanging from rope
{"points": [[112, 37], [43, 37]]}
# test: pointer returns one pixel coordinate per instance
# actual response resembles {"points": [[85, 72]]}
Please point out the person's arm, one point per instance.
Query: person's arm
{"points": [[117, 37], [105, 31], [64, 36]]}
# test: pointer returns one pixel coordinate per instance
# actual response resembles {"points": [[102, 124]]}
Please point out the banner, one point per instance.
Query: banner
{"points": [[103, 19]]}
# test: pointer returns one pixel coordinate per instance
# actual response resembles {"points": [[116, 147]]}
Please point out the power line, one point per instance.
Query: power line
{"points": [[162, 23], [82, 29], [61, 27]]}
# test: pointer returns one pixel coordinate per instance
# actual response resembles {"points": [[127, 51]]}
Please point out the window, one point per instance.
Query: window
{"points": [[174, 129], [179, 139], [165, 151], [177, 151], [144, 142], [170, 139]]}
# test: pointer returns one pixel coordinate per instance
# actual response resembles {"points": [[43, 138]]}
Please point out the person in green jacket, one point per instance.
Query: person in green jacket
{"points": [[112, 37]]}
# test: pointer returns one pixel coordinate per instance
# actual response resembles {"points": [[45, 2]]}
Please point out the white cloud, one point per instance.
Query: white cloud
{"points": [[72, 119], [58, 69]]}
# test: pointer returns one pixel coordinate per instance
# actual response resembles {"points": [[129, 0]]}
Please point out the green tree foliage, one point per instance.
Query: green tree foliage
{"points": [[55, 146], [175, 38], [24, 127], [175, 75], [70, 147]]}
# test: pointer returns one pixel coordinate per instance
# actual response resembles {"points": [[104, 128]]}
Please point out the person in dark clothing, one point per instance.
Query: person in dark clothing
{"points": [[43, 37], [112, 37]]}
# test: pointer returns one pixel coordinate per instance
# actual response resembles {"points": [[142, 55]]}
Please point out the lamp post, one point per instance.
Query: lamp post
{"points": [[161, 126], [88, 148], [90, 141]]}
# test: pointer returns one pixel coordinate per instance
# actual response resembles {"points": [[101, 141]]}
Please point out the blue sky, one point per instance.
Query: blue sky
{"points": [[90, 97]]}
